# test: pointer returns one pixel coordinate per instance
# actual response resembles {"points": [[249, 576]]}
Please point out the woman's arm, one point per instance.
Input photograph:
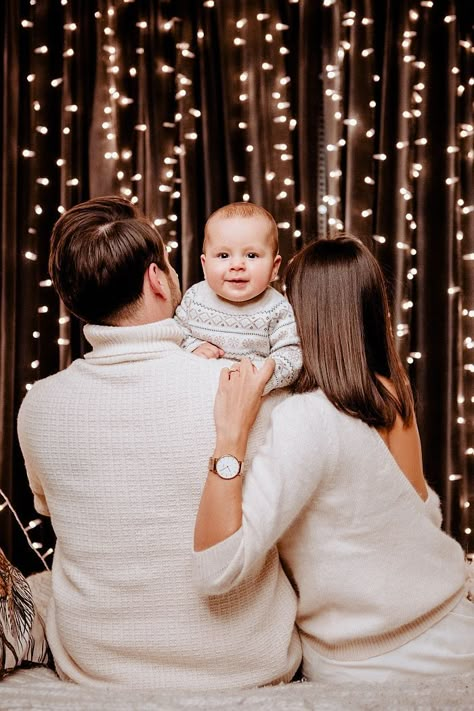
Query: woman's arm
{"points": [[237, 404], [237, 527]]}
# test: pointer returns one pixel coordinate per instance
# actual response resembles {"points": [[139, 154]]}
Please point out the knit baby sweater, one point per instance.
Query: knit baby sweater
{"points": [[257, 329], [116, 448], [366, 554]]}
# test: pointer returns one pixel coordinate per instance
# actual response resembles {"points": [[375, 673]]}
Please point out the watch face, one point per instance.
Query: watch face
{"points": [[227, 466]]}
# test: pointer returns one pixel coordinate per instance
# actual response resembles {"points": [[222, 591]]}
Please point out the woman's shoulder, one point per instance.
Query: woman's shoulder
{"points": [[306, 423], [312, 414], [307, 407]]}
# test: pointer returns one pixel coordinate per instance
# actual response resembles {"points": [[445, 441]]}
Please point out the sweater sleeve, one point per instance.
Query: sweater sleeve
{"points": [[183, 319], [284, 348], [26, 419], [433, 508], [284, 475]]}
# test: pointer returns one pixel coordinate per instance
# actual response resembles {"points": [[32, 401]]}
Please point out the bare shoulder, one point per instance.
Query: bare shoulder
{"points": [[405, 446], [398, 424]]}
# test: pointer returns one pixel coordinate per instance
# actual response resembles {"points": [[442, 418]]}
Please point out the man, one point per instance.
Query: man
{"points": [[116, 448]]}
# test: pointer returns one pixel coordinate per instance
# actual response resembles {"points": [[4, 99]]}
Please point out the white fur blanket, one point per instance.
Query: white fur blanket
{"points": [[39, 689]]}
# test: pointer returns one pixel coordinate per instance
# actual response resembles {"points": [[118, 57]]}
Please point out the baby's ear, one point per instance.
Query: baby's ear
{"points": [[276, 267], [203, 263]]}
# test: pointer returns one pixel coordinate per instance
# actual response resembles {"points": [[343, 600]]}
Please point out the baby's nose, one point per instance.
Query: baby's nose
{"points": [[238, 263]]}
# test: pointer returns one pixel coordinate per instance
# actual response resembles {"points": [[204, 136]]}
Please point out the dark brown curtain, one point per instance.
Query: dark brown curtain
{"points": [[335, 115]]}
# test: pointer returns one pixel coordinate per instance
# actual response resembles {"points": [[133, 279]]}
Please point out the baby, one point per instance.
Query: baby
{"points": [[234, 313]]}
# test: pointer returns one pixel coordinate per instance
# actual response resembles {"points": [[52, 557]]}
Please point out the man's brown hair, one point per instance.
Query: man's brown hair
{"points": [[243, 209], [99, 253]]}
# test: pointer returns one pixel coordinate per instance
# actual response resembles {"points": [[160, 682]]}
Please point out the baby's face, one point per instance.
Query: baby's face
{"points": [[239, 262]]}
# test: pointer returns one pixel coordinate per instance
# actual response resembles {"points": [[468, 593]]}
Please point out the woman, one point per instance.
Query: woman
{"points": [[339, 483]]}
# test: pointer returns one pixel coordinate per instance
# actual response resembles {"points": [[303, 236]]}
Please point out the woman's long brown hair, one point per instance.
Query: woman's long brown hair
{"points": [[338, 294]]}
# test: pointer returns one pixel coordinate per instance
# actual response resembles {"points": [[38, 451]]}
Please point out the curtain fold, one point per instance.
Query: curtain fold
{"points": [[9, 248], [438, 260], [335, 115]]}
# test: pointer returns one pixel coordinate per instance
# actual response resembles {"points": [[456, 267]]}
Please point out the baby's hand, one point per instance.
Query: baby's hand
{"points": [[208, 350]]}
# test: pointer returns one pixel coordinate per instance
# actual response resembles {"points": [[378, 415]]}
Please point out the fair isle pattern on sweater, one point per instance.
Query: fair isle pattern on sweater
{"points": [[258, 329]]}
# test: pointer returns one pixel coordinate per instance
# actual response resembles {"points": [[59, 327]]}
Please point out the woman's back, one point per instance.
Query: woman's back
{"points": [[339, 482], [365, 553]]}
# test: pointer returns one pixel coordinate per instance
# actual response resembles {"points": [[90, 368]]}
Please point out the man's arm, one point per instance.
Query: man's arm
{"points": [[25, 415]]}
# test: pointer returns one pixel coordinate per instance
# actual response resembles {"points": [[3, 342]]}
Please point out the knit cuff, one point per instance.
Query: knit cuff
{"points": [[216, 569]]}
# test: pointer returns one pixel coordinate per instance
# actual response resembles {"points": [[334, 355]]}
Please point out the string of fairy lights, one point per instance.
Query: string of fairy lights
{"points": [[36, 546], [121, 69]]}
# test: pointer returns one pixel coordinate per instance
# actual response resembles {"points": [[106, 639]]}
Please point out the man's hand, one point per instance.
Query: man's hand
{"points": [[208, 350]]}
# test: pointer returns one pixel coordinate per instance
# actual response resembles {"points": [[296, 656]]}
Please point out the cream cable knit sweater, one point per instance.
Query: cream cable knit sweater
{"points": [[116, 447], [366, 554], [258, 329]]}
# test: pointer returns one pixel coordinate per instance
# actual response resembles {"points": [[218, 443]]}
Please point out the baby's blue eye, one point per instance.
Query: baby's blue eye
{"points": [[222, 255], [252, 255]]}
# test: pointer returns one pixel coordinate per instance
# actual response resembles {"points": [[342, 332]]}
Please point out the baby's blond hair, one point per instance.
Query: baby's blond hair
{"points": [[243, 209]]}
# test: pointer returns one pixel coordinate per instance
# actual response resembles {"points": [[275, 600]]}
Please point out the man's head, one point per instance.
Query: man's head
{"points": [[104, 257], [240, 251]]}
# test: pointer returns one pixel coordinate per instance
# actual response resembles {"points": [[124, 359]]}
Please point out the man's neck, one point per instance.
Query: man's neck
{"points": [[141, 315]]}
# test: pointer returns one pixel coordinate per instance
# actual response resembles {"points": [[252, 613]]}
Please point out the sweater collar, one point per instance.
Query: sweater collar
{"points": [[115, 344]]}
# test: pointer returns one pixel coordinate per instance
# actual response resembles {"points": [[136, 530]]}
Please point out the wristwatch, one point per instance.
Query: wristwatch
{"points": [[227, 466]]}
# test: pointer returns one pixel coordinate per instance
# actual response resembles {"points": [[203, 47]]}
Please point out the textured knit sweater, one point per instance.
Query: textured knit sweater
{"points": [[366, 554], [116, 448], [257, 329]]}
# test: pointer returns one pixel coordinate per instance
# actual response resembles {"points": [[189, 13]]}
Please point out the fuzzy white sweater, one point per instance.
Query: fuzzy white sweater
{"points": [[367, 556], [116, 448]]}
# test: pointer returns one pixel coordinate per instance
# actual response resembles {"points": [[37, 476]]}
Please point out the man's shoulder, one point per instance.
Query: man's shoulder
{"points": [[262, 424], [197, 368], [55, 379], [40, 404]]}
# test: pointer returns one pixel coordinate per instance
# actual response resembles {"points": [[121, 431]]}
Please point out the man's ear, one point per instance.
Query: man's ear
{"points": [[156, 279], [276, 267], [203, 263]]}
